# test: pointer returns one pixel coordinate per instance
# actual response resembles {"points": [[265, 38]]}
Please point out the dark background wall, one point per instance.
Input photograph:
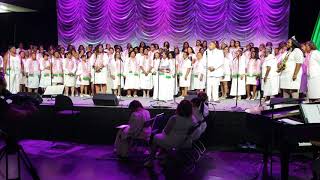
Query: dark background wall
{"points": [[41, 27]]}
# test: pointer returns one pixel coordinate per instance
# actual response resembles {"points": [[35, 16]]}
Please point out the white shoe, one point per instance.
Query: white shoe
{"points": [[129, 96], [135, 96]]}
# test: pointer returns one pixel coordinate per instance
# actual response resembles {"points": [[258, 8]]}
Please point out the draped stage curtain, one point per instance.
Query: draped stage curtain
{"points": [[176, 21]]}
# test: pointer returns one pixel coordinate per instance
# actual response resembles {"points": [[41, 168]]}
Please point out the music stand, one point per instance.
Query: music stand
{"points": [[52, 91]]}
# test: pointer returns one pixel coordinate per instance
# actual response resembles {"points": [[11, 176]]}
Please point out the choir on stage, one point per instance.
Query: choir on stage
{"points": [[221, 69]]}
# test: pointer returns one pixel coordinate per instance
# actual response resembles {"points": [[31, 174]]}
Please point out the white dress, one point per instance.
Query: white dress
{"points": [[57, 71], [286, 82], [33, 71], [13, 73], [69, 69], [117, 69], [198, 70], [45, 79], [131, 71], [23, 78], [252, 71], [83, 73], [146, 81], [238, 70], [193, 58], [165, 86], [314, 75], [100, 60], [271, 87], [184, 66], [227, 68]]}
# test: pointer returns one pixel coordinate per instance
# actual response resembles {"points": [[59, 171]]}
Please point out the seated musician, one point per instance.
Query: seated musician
{"points": [[175, 133], [135, 129]]}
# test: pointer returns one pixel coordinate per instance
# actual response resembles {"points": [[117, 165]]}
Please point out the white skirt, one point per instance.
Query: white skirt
{"points": [[99, 77], [183, 82], [197, 84], [241, 87], [313, 88], [45, 80], [252, 80], [23, 79], [286, 81], [271, 87], [116, 82], [33, 81], [146, 81], [83, 80], [132, 81], [69, 81], [57, 79], [166, 87]]}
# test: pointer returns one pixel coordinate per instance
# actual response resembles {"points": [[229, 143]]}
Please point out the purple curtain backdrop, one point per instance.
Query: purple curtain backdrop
{"points": [[123, 21]]}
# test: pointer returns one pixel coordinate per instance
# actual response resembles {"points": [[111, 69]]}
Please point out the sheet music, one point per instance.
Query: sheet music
{"points": [[311, 112], [54, 90]]}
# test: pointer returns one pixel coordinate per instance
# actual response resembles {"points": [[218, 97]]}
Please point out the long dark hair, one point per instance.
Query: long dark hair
{"points": [[135, 105], [184, 108]]}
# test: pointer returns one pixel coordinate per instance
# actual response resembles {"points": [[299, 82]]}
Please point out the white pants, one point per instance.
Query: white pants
{"points": [[213, 88], [13, 82]]}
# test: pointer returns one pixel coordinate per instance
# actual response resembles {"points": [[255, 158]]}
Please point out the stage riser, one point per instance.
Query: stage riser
{"points": [[96, 125]]}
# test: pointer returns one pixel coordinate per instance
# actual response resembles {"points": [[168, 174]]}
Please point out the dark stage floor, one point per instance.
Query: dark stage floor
{"points": [[94, 162]]}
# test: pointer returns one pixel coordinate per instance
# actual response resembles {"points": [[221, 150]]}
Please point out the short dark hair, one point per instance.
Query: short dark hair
{"points": [[134, 105], [184, 108]]}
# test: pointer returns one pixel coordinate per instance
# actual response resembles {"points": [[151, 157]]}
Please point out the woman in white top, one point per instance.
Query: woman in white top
{"points": [[33, 73], [83, 75], [193, 58], [253, 67], [131, 71], [185, 74], [45, 67], [57, 69], [175, 65], [226, 78], [23, 79], [12, 69], [238, 70], [197, 47], [156, 78], [198, 72], [313, 71], [270, 75], [99, 62], [116, 71], [69, 69], [290, 77], [146, 74], [166, 71]]}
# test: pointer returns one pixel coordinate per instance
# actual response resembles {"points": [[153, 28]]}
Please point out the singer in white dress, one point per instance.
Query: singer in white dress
{"points": [[131, 71], [23, 78], [226, 78], [146, 74], [12, 69], [33, 73], [155, 71], [166, 71], [290, 77], [185, 74], [238, 71], [270, 75], [83, 75], [69, 69], [253, 69], [116, 73], [57, 69], [313, 71], [198, 72], [99, 63], [215, 70], [45, 67]]}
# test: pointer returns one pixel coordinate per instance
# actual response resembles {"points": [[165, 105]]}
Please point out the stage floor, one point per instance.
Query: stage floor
{"points": [[224, 105]]}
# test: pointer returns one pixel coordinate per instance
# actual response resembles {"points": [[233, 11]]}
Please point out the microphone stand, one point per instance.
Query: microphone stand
{"points": [[120, 76], [206, 83], [236, 107]]}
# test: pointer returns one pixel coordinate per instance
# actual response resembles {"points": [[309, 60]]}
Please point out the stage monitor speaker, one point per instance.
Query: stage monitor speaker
{"points": [[105, 100]]}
